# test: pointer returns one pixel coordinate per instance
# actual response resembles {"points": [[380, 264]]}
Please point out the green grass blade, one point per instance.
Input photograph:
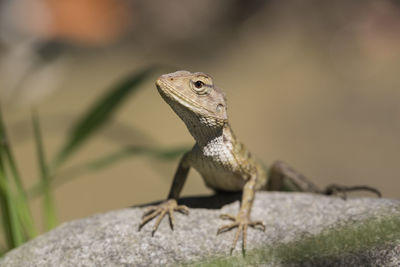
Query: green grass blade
{"points": [[5, 213], [39, 146], [18, 201], [49, 209], [100, 113], [157, 153], [4, 203], [164, 154], [9, 158], [12, 228]]}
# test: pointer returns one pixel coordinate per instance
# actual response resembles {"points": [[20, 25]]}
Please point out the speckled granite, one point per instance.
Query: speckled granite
{"points": [[112, 239]]}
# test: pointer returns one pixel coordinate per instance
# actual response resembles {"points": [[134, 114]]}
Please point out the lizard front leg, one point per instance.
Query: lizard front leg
{"points": [[170, 205], [242, 221]]}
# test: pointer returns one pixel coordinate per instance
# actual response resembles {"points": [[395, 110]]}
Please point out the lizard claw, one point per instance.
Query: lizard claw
{"points": [[148, 210], [167, 207], [242, 222]]}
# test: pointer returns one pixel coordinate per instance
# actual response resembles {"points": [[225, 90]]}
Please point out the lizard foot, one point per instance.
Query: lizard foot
{"points": [[161, 210], [242, 222]]}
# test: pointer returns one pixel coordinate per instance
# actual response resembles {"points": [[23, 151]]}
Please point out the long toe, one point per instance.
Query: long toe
{"points": [[158, 221], [227, 227], [149, 210], [148, 218], [227, 217], [171, 218], [240, 229], [182, 209], [245, 226], [257, 223]]}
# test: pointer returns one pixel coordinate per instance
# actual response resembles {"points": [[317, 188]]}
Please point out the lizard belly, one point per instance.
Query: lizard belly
{"points": [[225, 181], [218, 168]]}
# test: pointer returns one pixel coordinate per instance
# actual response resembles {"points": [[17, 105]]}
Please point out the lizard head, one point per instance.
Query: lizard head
{"points": [[194, 98]]}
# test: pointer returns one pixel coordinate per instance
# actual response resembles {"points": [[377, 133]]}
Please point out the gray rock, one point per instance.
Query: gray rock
{"points": [[302, 229]]}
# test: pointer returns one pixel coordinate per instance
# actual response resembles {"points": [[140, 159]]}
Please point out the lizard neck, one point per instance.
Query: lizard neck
{"points": [[206, 137], [205, 130]]}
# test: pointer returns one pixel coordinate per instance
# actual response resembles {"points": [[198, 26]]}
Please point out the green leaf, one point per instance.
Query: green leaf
{"points": [[48, 205], [13, 230], [4, 199], [100, 113], [9, 158], [165, 154], [15, 204], [4, 203], [157, 153], [11, 227]]}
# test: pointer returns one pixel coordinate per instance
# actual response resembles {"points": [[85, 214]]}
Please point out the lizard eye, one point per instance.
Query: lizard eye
{"points": [[200, 87], [198, 84]]}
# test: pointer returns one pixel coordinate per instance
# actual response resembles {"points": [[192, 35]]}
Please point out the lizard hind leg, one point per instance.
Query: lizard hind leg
{"points": [[282, 177]]}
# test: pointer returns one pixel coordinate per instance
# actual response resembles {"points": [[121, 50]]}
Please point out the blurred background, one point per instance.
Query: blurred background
{"points": [[313, 83]]}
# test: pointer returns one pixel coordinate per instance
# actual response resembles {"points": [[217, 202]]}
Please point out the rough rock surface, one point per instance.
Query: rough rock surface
{"points": [[112, 239]]}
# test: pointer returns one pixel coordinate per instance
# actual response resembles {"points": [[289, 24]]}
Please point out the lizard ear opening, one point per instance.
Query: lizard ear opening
{"points": [[220, 112], [220, 108]]}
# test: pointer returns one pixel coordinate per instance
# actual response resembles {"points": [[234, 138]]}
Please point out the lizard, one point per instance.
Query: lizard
{"points": [[222, 160]]}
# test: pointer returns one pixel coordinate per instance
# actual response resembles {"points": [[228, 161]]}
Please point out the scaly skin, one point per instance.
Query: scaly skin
{"points": [[224, 163]]}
